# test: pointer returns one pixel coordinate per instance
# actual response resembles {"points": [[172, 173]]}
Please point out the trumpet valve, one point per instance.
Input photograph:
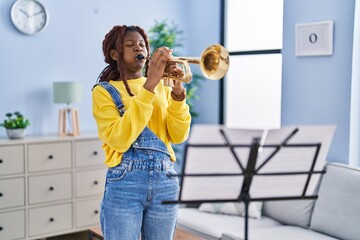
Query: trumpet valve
{"points": [[168, 82]]}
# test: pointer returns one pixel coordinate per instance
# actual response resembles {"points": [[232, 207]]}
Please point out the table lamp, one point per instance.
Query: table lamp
{"points": [[68, 92]]}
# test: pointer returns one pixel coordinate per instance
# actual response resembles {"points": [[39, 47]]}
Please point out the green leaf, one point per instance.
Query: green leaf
{"points": [[165, 33], [15, 120]]}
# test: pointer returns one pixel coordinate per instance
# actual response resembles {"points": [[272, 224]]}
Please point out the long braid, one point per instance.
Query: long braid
{"points": [[116, 68], [110, 71]]}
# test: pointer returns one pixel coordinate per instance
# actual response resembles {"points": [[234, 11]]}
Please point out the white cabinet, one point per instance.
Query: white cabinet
{"points": [[87, 212], [12, 192], [47, 220], [89, 182], [50, 185], [87, 153], [11, 159], [12, 225], [48, 156]]}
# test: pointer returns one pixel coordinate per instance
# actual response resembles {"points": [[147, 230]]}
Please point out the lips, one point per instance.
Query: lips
{"points": [[140, 57]]}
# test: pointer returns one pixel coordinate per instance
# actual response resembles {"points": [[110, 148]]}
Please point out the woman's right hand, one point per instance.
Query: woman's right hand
{"points": [[157, 67]]}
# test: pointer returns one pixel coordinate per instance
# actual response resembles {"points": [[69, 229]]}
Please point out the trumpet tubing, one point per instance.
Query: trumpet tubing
{"points": [[214, 64]]}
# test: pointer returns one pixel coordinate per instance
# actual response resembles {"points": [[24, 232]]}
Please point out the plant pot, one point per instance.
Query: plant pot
{"points": [[16, 133]]}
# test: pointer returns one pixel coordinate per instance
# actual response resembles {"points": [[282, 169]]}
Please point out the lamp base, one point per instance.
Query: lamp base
{"points": [[73, 119]]}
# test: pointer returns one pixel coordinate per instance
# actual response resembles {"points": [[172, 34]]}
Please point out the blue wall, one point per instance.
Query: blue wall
{"points": [[69, 49], [317, 90], [204, 18]]}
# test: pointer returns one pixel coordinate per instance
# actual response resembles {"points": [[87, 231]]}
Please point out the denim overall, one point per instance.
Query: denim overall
{"points": [[135, 189]]}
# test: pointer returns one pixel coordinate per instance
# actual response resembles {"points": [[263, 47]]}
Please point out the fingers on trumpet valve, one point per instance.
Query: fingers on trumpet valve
{"points": [[174, 69], [163, 50]]}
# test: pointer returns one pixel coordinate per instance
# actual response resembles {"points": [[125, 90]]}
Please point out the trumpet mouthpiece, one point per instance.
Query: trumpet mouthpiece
{"points": [[140, 57]]}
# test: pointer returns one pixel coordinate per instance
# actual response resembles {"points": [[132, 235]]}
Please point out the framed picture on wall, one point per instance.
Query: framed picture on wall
{"points": [[314, 39]]}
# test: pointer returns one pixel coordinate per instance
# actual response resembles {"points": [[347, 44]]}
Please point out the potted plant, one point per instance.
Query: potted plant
{"points": [[15, 125], [168, 34]]}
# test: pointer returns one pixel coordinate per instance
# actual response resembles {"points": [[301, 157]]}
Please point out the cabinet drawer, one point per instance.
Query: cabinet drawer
{"points": [[11, 159], [12, 192], [90, 182], [49, 156], [12, 225], [50, 219], [87, 213], [88, 153], [49, 188]]}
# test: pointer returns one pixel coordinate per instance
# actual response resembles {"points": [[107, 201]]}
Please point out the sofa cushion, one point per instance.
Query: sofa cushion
{"points": [[278, 233], [233, 208], [337, 209], [212, 226], [292, 212]]}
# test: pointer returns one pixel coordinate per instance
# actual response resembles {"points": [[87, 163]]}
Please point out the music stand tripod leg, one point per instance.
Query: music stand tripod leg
{"points": [[245, 198], [248, 175]]}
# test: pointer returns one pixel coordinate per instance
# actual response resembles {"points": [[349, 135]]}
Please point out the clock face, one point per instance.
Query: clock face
{"points": [[28, 16]]}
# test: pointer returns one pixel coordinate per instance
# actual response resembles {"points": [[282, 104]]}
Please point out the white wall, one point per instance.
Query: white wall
{"points": [[354, 158]]}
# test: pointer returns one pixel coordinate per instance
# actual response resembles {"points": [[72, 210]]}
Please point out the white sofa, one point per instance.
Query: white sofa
{"points": [[334, 215]]}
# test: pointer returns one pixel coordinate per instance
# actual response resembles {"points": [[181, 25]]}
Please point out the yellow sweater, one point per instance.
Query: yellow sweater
{"points": [[167, 118]]}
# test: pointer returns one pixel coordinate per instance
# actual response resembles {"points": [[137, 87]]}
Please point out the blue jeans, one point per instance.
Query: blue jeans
{"points": [[133, 198]]}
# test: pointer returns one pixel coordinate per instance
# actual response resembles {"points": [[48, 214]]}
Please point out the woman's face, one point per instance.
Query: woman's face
{"points": [[134, 44]]}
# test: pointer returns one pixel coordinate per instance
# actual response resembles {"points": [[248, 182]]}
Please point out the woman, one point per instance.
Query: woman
{"points": [[137, 131]]}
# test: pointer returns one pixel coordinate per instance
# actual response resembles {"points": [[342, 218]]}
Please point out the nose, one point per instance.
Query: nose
{"points": [[137, 48]]}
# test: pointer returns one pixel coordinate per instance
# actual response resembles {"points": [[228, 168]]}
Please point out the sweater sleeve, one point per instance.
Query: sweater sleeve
{"points": [[178, 120], [120, 132]]}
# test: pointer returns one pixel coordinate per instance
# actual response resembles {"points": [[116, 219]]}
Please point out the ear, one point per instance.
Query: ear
{"points": [[113, 54]]}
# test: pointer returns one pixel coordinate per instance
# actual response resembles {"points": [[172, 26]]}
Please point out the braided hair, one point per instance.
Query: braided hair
{"points": [[114, 40]]}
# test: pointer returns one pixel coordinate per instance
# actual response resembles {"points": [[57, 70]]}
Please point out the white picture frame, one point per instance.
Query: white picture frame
{"points": [[314, 39]]}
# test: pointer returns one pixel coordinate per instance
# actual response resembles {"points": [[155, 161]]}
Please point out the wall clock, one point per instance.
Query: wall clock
{"points": [[29, 16]]}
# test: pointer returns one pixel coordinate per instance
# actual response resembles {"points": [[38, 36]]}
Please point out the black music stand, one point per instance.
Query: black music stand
{"points": [[254, 175]]}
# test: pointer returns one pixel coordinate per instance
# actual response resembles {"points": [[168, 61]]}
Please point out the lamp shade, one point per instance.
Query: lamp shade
{"points": [[67, 92]]}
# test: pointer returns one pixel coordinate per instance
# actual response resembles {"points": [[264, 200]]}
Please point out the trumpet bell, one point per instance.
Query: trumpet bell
{"points": [[214, 62]]}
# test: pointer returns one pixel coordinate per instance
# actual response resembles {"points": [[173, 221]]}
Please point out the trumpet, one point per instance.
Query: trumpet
{"points": [[214, 64]]}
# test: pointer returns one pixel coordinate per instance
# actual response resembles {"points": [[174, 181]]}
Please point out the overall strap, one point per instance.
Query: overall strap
{"points": [[115, 96]]}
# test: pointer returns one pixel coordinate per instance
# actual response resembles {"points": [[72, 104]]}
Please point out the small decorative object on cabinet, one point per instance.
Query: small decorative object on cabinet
{"points": [[50, 185], [68, 92], [15, 125]]}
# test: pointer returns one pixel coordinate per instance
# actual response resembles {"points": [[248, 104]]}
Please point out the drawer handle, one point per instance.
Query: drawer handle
{"points": [[51, 157], [96, 211], [1, 194], [51, 220], [51, 188], [96, 182], [1, 161], [95, 153], [1, 228]]}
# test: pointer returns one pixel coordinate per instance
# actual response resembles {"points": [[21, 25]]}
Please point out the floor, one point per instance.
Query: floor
{"points": [[179, 235], [74, 236]]}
